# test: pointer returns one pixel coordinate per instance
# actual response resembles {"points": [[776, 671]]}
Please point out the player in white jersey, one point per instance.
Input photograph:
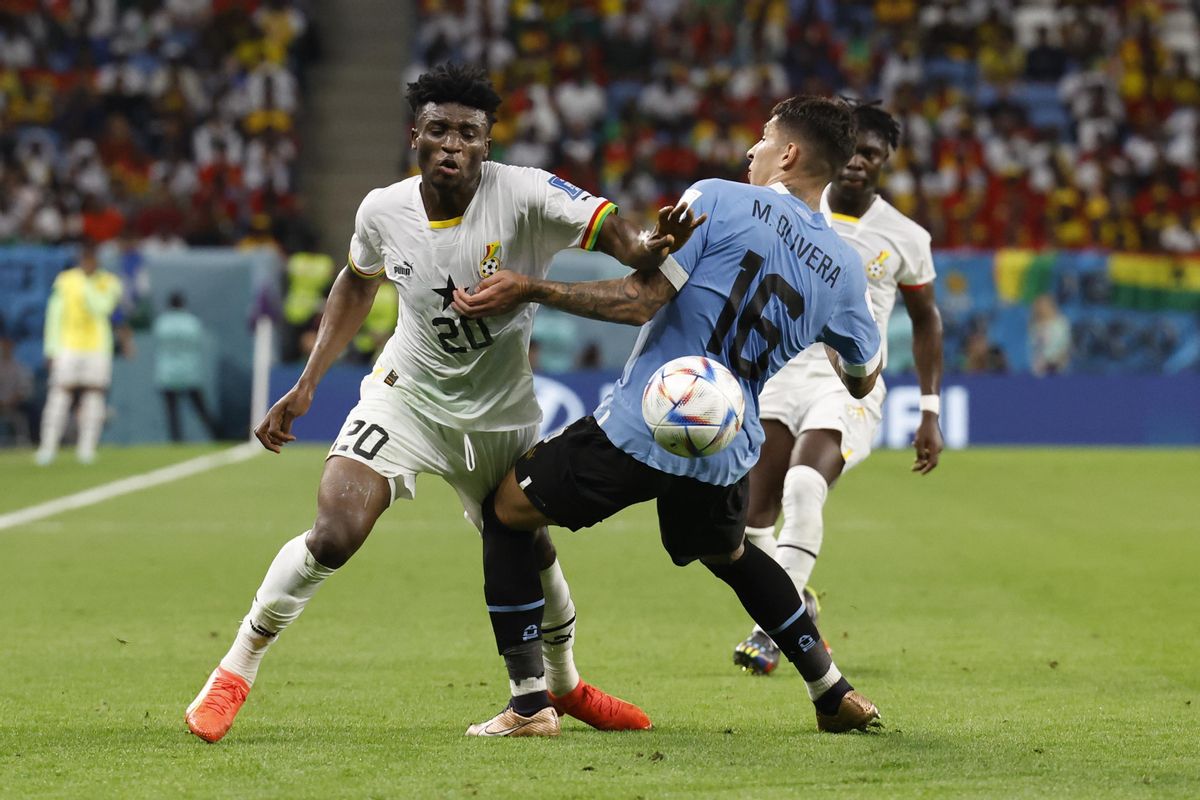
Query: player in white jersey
{"points": [[449, 396], [814, 429]]}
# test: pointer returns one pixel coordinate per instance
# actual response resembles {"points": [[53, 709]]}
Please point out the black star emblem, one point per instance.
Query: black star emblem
{"points": [[447, 293]]}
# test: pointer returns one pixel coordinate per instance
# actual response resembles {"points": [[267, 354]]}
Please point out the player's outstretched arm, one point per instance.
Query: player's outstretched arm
{"points": [[349, 301], [631, 300], [645, 251], [927, 356]]}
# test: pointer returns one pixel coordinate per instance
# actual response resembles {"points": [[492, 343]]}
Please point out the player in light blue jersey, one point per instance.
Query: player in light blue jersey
{"points": [[761, 278], [765, 278]]}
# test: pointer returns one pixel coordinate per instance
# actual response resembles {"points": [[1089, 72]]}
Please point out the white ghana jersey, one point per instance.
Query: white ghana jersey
{"points": [[468, 374], [895, 252]]}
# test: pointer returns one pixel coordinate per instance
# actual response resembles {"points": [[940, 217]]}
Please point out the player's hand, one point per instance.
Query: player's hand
{"points": [[276, 428], [674, 227], [928, 443], [496, 294]]}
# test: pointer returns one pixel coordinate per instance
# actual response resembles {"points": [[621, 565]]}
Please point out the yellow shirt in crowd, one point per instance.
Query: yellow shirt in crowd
{"points": [[78, 316]]}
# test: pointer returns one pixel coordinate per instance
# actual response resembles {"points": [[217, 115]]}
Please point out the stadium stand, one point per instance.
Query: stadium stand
{"points": [[147, 127], [1050, 126], [1050, 146], [171, 119], [1060, 124]]}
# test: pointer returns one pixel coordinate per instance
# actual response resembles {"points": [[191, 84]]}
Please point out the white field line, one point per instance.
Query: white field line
{"points": [[134, 483]]}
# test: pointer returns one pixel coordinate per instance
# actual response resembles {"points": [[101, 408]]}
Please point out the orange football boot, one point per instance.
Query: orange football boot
{"points": [[600, 710], [211, 714]]}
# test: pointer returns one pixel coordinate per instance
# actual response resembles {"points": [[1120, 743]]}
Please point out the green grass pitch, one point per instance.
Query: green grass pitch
{"points": [[1025, 619]]}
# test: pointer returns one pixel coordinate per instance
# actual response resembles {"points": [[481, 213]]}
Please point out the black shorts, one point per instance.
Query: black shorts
{"points": [[579, 478]]}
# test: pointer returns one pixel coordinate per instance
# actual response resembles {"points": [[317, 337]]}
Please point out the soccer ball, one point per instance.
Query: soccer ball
{"points": [[693, 406]]}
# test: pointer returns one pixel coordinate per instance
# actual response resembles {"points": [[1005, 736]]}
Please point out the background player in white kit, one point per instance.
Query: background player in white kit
{"points": [[814, 429], [449, 396]]}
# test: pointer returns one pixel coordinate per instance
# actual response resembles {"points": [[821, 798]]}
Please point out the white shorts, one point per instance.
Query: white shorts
{"points": [[807, 395], [387, 435], [74, 370]]}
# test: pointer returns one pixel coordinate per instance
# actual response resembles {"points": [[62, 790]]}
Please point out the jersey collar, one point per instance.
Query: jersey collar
{"points": [[779, 188], [831, 215], [431, 226]]}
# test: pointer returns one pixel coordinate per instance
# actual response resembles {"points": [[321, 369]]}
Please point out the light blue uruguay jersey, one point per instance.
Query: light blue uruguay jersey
{"points": [[762, 279]]}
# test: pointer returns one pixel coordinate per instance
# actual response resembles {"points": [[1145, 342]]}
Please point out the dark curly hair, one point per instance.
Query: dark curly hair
{"points": [[826, 125], [454, 83], [872, 117]]}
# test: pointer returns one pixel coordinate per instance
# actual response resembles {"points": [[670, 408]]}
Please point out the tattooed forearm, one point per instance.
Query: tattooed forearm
{"points": [[631, 300]]}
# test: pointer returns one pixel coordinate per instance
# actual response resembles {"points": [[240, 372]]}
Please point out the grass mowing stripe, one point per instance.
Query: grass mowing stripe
{"points": [[23, 484], [134, 483]]}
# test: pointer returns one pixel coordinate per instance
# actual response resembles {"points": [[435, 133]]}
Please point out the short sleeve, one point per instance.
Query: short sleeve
{"points": [[917, 267], [701, 198], [851, 329], [571, 217], [366, 256]]}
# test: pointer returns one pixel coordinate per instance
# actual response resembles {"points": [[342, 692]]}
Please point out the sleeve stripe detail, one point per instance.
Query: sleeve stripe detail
{"points": [[675, 274], [592, 232], [912, 287], [862, 370], [362, 273]]}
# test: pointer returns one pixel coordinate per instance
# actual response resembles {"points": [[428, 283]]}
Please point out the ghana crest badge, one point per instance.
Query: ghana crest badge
{"points": [[491, 260], [876, 268]]}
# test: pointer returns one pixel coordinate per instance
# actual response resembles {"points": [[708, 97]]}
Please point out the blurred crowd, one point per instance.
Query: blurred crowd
{"points": [[1033, 123], [150, 125], [168, 122]]}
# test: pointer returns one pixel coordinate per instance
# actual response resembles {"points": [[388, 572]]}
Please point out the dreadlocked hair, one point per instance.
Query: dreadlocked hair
{"points": [[826, 125], [454, 83]]}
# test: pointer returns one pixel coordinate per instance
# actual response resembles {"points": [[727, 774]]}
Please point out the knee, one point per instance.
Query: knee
{"points": [[764, 507], [724, 559], [336, 536], [804, 486], [501, 514], [763, 516], [720, 563]]}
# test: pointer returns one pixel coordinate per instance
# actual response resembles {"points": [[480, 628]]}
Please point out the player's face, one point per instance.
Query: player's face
{"points": [[452, 141], [768, 154], [861, 173]]}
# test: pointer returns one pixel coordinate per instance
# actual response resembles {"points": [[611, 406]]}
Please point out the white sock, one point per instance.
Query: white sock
{"points": [[526, 686], [54, 421], [804, 493], [558, 632], [762, 538], [92, 409], [821, 686], [291, 581]]}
